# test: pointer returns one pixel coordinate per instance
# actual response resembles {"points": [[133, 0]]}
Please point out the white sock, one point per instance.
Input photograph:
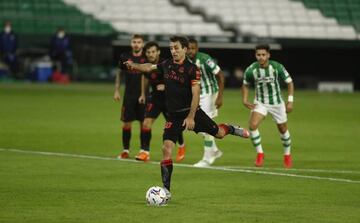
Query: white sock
{"points": [[286, 141], [256, 140]]}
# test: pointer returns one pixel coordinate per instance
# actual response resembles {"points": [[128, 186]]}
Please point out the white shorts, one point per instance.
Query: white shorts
{"points": [[207, 104], [278, 112]]}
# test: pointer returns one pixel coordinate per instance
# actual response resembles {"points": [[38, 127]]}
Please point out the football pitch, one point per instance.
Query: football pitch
{"points": [[58, 143]]}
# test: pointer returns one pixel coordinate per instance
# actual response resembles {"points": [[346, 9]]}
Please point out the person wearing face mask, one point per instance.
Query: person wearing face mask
{"points": [[60, 50], [8, 47]]}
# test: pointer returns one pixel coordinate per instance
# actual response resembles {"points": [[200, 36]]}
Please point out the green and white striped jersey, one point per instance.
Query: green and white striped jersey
{"points": [[208, 69], [266, 81]]}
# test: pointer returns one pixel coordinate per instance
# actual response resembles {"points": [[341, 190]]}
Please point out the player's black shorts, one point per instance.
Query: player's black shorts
{"points": [[203, 123], [132, 110], [155, 106]]}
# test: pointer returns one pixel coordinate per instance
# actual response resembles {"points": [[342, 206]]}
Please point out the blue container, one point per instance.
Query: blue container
{"points": [[43, 71]]}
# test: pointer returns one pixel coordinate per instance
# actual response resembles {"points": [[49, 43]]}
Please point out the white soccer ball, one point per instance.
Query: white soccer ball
{"points": [[156, 196]]}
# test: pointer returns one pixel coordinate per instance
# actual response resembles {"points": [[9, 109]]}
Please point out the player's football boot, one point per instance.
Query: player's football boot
{"points": [[259, 160], [287, 161], [180, 154], [242, 132], [123, 155], [143, 156], [168, 194], [209, 158]]}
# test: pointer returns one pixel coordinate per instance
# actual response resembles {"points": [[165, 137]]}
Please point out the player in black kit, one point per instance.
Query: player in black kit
{"points": [[182, 94], [131, 108], [155, 101]]}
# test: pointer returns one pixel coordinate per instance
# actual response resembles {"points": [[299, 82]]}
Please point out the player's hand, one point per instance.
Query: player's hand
{"points": [[189, 123], [128, 64], [117, 95], [160, 87], [218, 102], [142, 99], [249, 105], [289, 107]]}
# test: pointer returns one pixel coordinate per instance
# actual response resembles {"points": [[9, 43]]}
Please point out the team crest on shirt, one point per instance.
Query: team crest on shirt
{"points": [[181, 69]]}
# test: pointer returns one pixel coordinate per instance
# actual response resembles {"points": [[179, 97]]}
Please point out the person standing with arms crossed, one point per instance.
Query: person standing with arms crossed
{"points": [[265, 75]]}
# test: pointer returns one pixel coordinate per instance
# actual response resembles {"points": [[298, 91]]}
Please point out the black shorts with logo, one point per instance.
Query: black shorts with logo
{"points": [[132, 110], [203, 123], [155, 106]]}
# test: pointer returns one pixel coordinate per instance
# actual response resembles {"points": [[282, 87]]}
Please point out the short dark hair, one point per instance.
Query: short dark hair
{"points": [[151, 44], [193, 40], [263, 46], [137, 36], [182, 40]]}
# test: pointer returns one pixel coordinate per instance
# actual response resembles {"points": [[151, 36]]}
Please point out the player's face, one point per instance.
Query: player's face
{"points": [[177, 51], [262, 56], [193, 49], [152, 54], [136, 45]]}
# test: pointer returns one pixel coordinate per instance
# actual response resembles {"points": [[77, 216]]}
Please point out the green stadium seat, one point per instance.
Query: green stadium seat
{"points": [[45, 16], [345, 11]]}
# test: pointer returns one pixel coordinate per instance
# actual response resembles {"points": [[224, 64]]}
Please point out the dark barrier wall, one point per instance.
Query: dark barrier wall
{"points": [[307, 65]]}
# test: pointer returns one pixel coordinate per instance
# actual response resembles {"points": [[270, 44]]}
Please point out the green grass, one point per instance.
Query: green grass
{"points": [[83, 119]]}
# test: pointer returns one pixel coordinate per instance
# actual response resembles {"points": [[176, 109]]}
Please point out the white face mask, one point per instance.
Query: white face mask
{"points": [[61, 34], [7, 29]]}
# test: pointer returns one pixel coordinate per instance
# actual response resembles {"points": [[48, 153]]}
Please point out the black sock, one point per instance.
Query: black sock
{"points": [[181, 139], [145, 138], [166, 171], [126, 135]]}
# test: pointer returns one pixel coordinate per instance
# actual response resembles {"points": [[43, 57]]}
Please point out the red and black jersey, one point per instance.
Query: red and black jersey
{"points": [[132, 77], [178, 80], [156, 78]]}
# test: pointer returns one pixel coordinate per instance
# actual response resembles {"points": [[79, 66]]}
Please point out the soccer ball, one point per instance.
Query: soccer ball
{"points": [[156, 196]]}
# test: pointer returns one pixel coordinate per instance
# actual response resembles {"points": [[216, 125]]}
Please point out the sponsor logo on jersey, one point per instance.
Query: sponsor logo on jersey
{"points": [[210, 63], [265, 80]]}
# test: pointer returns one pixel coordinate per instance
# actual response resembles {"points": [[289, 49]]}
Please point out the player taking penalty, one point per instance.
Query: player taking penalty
{"points": [[182, 93]]}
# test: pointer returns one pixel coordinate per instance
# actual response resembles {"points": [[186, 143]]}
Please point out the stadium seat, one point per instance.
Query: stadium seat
{"points": [[269, 18]]}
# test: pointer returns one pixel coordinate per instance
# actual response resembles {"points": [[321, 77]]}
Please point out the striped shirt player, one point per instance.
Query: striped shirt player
{"points": [[266, 75], [208, 69], [211, 86], [266, 80]]}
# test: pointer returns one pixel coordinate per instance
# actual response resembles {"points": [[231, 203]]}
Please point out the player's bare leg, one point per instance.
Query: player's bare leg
{"points": [[255, 120], [286, 141]]}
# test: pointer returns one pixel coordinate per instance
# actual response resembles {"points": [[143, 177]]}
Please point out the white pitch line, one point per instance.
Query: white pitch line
{"points": [[295, 169], [182, 165]]}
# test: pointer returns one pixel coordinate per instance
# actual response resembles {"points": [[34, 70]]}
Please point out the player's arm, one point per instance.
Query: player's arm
{"points": [[117, 85], [245, 89], [221, 82], [290, 101], [245, 96], [219, 75], [189, 121], [144, 87], [290, 86], [144, 67]]}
